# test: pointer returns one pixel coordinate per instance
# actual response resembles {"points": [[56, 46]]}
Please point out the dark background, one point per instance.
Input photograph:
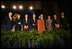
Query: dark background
{"points": [[45, 7]]}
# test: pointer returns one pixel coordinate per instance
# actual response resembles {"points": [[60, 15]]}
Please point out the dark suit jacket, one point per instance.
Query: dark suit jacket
{"points": [[63, 21], [22, 21], [28, 22], [7, 21], [55, 22], [32, 21], [17, 26]]}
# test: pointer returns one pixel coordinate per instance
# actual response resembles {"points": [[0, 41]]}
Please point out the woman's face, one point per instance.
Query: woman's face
{"points": [[62, 14], [42, 15], [54, 16], [48, 17], [18, 16]]}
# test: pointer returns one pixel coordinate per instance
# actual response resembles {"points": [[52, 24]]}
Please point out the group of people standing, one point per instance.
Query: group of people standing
{"points": [[15, 22]]}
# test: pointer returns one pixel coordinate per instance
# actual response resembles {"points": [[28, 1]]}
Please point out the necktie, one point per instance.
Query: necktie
{"points": [[34, 20]]}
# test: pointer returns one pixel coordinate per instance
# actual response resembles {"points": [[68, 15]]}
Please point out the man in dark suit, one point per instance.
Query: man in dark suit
{"points": [[63, 21], [34, 22], [8, 21], [26, 23]]}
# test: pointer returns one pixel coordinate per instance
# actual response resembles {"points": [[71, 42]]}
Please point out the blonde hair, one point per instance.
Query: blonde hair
{"points": [[14, 17]]}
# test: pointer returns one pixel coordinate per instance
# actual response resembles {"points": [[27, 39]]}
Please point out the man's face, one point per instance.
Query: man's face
{"points": [[10, 14], [34, 15], [26, 16]]}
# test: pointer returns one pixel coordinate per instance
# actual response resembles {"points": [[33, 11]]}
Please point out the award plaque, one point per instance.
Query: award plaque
{"points": [[26, 28], [57, 26], [40, 26], [34, 25]]}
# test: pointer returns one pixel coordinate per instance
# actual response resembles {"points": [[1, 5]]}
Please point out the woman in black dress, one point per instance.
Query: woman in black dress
{"points": [[17, 22], [55, 22], [14, 18]]}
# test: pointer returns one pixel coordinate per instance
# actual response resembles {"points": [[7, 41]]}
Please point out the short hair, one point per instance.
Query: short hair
{"points": [[54, 13], [34, 14], [26, 14], [10, 12], [41, 14], [62, 12], [16, 15]]}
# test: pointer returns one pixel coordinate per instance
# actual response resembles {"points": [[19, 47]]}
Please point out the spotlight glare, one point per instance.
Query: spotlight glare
{"points": [[14, 7], [20, 7], [2, 6], [30, 7]]}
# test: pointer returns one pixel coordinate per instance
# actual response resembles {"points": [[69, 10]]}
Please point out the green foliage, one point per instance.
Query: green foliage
{"points": [[21, 36]]}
